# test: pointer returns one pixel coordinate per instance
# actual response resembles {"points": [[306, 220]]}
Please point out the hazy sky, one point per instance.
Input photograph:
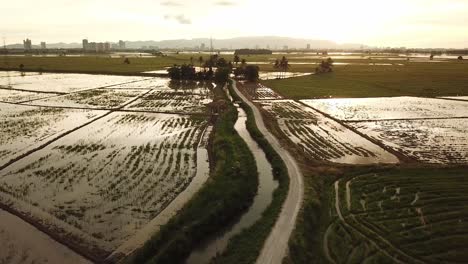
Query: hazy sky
{"points": [[411, 23]]}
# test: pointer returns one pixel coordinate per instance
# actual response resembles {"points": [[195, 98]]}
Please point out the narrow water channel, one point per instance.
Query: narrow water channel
{"points": [[266, 186]]}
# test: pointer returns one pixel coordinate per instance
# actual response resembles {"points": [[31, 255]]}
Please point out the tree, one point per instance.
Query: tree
{"points": [[127, 61], [236, 59], [460, 58], [251, 73], [221, 63], [200, 60], [276, 66], [222, 75], [243, 62], [191, 60], [325, 66], [284, 65]]}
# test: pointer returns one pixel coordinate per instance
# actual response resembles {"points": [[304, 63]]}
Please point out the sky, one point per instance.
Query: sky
{"points": [[381, 23]]}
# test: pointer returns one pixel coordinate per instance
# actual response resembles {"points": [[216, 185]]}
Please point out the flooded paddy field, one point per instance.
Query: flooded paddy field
{"points": [[429, 130], [171, 101], [323, 138], [409, 215], [58, 82], [23, 128], [16, 96], [383, 108], [109, 179], [101, 161], [24, 244], [95, 98], [462, 98], [433, 141]]}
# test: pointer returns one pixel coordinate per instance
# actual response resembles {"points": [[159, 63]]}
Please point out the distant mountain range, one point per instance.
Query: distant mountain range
{"points": [[270, 42]]}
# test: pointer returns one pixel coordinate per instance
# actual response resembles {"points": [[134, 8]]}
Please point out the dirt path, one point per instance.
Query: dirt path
{"points": [[326, 248], [276, 245]]}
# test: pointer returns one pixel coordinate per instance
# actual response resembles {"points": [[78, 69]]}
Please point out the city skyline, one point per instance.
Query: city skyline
{"points": [[413, 23]]}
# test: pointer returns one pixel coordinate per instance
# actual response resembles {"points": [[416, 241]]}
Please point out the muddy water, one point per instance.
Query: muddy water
{"points": [[23, 243], [267, 184]]}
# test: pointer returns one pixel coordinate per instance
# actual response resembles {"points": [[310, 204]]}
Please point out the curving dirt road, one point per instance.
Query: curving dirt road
{"points": [[276, 245]]}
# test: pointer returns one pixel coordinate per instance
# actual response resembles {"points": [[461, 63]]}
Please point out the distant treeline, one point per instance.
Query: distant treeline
{"points": [[428, 51], [252, 52]]}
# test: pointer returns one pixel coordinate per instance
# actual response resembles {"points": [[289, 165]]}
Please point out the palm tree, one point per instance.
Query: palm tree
{"points": [[200, 60], [276, 66], [236, 59], [284, 65], [243, 62]]}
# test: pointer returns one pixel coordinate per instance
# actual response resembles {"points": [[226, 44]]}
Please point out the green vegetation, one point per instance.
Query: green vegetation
{"points": [[92, 64], [420, 212], [412, 79], [229, 192], [246, 246]]}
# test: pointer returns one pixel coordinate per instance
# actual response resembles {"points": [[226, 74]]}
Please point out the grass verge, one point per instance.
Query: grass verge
{"points": [[246, 246], [352, 81]]}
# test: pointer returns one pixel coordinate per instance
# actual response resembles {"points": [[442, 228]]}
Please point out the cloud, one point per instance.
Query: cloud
{"points": [[171, 3], [179, 18], [224, 3]]}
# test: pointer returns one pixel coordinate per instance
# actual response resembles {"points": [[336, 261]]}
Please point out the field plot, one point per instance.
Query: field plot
{"points": [[25, 127], [6, 74], [24, 244], [265, 93], [464, 98], [413, 215], [96, 98], [64, 82], [321, 137], [433, 141], [389, 108], [14, 96], [280, 75], [99, 186], [151, 83], [172, 101]]}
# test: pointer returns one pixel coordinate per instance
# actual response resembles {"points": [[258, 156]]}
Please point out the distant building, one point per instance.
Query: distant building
{"points": [[285, 47], [202, 46], [85, 44], [27, 44], [43, 45], [121, 44], [96, 46], [308, 46]]}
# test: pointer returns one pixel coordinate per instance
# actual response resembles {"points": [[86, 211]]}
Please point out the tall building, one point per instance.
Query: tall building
{"points": [[85, 44], [27, 44], [308, 46], [43, 45], [202, 46], [96, 46], [121, 44]]}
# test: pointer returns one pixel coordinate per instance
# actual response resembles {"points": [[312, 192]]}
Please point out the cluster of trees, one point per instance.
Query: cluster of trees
{"points": [[282, 66], [253, 52], [325, 66], [215, 68]]}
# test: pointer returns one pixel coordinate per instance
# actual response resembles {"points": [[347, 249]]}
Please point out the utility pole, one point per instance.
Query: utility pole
{"points": [[211, 45]]}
